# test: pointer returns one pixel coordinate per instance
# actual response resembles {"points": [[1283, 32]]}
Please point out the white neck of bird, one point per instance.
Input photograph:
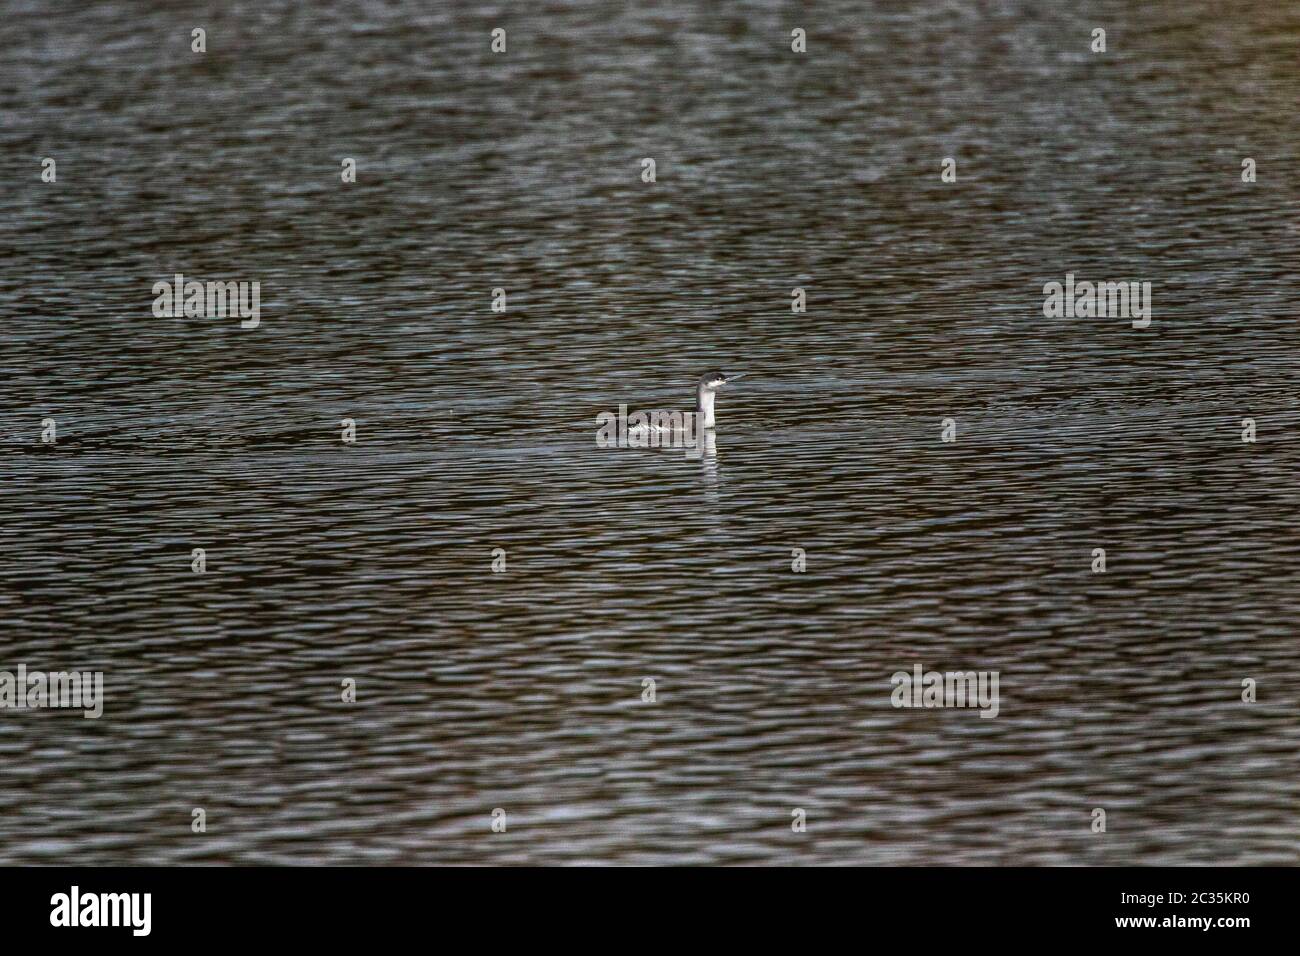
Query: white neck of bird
{"points": [[706, 398]]}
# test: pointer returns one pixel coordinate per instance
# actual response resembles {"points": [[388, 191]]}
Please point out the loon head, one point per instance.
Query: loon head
{"points": [[712, 381]]}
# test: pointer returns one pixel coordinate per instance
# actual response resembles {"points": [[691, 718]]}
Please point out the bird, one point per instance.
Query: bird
{"points": [[662, 422]]}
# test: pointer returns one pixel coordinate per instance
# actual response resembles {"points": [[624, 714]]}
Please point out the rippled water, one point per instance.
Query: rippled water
{"points": [[522, 690]]}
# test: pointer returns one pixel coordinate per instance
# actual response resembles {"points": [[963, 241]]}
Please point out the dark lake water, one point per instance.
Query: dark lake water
{"points": [[522, 690]]}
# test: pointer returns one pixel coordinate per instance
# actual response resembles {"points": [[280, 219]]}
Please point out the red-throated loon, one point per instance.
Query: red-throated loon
{"points": [[663, 421]]}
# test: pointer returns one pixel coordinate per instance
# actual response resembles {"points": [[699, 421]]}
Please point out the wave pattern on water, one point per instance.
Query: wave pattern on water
{"points": [[476, 430]]}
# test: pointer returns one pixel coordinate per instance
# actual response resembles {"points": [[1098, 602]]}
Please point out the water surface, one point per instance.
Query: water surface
{"points": [[522, 690]]}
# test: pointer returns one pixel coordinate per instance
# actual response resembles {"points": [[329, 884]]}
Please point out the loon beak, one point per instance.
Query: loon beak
{"points": [[732, 378]]}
